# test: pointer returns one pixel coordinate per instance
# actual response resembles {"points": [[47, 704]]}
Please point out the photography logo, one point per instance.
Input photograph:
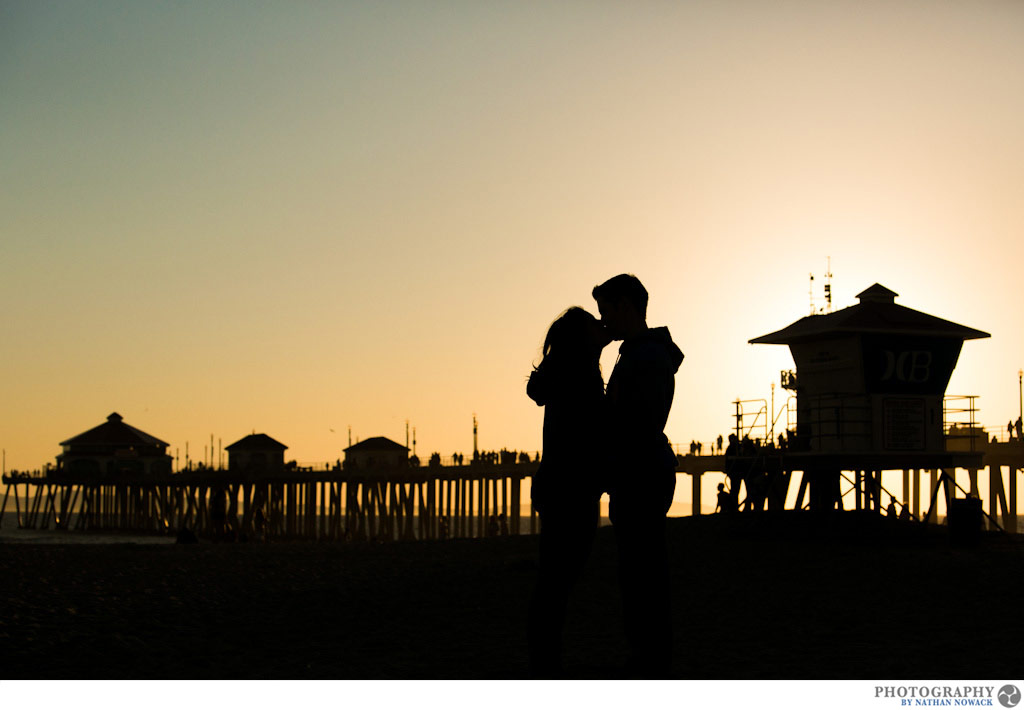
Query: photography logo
{"points": [[1009, 696], [953, 696]]}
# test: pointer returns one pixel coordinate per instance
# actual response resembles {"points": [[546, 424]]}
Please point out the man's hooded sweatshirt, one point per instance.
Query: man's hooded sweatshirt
{"points": [[639, 397]]}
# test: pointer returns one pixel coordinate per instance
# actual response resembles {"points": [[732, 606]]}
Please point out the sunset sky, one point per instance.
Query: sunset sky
{"points": [[292, 218]]}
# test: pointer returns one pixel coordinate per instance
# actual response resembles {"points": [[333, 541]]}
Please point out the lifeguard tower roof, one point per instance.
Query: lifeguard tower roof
{"points": [[877, 312]]}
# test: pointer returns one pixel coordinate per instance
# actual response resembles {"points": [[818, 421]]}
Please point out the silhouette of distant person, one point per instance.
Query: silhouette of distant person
{"points": [[890, 509], [566, 490], [219, 512], [642, 481], [1020, 429], [1009, 429], [733, 470], [259, 522], [757, 489], [719, 442], [725, 502], [748, 447]]}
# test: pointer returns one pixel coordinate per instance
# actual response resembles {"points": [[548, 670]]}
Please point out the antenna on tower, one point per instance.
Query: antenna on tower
{"points": [[810, 293], [476, 452], [828, 286]]}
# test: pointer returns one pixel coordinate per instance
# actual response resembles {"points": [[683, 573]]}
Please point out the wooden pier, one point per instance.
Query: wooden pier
{"points": [[439, 502], [433, 502]]}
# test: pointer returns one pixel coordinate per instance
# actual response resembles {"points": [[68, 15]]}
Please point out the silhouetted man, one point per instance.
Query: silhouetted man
{"points": [[642, 479]]}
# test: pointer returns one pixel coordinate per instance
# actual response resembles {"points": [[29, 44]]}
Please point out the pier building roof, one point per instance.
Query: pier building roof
{"points": [[256, 442], [377, 443], [877, 312], [114, 432]]}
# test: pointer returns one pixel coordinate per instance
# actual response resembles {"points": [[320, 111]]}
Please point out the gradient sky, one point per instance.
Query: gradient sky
{"points": [[291, 218]]}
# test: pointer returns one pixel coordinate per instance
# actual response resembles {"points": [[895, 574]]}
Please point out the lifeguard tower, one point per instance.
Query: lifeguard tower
{"points": [[870, 383]]}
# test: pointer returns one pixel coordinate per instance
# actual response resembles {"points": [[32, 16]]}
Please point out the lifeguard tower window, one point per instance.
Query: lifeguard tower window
{"points": [[903, 424]]}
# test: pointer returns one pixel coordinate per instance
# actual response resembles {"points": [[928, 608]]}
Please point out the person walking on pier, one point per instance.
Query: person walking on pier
{"points": [[566, 488], [642, 481]]}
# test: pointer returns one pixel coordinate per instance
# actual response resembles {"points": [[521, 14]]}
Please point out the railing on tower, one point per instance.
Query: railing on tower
{"points": [[745, 426], [835, 421], [960, 423]]}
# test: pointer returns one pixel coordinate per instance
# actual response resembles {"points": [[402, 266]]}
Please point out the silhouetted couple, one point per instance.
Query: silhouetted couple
{"points": [[597, 441]]}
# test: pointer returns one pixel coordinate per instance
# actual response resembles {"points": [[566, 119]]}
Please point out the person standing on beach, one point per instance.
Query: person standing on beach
{"points": [[642, 479], [566, 490]]}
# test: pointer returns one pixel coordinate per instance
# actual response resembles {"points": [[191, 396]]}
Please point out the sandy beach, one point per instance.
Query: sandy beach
{"points": [[785, 596]]}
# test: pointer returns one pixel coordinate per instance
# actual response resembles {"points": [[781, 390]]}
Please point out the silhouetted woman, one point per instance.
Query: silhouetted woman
{"points": [[567, 488]]}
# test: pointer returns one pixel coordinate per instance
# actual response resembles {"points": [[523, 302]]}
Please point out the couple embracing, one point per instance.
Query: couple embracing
{"points": [[612, 440]]}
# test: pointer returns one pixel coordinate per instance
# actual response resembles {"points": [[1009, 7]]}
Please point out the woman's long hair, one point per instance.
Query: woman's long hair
{"points": [[569, 337]]}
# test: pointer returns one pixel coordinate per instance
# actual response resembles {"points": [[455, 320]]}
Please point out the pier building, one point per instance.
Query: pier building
{"points": [[113, 449], [376, 452], [256, 454]]}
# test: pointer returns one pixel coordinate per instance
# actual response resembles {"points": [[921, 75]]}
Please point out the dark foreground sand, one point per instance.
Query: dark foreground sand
{"points": [[757, 597]]}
